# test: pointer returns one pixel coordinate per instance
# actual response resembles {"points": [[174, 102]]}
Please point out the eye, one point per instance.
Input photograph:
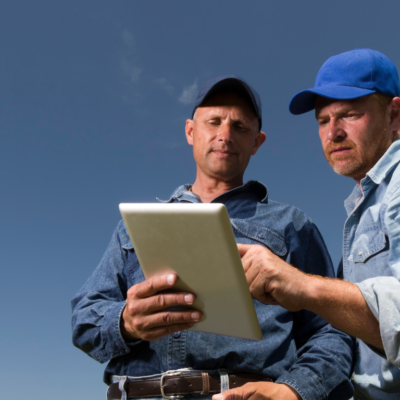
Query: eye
{"points": [[322, 121], [241, 127], [352, 115]]}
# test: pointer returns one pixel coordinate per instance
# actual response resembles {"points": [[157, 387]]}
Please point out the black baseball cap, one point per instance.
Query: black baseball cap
{"points": [[230, 83]]}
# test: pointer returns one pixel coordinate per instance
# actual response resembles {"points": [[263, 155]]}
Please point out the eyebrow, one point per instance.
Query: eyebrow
{"points": [[355, 105], [340, 113], [243, 120]]}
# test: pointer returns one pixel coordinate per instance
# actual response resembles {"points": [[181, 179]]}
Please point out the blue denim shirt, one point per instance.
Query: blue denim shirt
{"points": [[371, 259], [299, 349]]}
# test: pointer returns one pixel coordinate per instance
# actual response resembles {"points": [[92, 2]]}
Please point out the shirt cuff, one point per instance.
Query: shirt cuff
{"points": [[382, 295], [115, 345], [305, 383]]}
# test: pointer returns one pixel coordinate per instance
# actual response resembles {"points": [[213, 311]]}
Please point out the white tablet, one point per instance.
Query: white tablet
{"points": [[197, 243]]}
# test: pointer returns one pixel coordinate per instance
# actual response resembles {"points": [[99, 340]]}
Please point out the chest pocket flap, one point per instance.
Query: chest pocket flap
{"points": [[368, 241], [263, 235], [128, 246]]}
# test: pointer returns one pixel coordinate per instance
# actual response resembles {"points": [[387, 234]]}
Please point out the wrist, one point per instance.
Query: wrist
{"points": [[291, 393], [314, 292], [125, 328]]}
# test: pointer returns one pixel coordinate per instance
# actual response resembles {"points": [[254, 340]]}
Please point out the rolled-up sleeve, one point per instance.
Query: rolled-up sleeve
{"points": [[382, 293]]}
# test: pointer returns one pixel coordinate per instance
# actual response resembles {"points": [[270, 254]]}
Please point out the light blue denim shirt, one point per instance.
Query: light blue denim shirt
{"points": [[299, 349], [371, 259]]}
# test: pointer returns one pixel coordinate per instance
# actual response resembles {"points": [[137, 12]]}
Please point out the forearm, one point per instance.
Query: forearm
{"points": [[342, 304]]}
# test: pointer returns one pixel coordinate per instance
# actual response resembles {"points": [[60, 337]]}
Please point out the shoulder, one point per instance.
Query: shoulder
{"points": [[122, 236], [279, 226], [282, 216]]}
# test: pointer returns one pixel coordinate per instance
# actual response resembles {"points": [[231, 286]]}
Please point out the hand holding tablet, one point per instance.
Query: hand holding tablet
{"points": [[145, 316], [196, 243]]}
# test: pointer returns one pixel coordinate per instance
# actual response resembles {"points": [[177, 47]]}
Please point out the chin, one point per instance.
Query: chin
{"points": [[225, 174], [349, 170]]}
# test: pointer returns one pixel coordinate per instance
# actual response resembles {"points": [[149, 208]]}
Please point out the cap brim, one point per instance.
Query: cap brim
{"points": [[304, 101]]}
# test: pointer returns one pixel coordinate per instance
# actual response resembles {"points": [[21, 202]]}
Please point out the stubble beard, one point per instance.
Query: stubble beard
{"points": [[357, 163], [348, 164]]}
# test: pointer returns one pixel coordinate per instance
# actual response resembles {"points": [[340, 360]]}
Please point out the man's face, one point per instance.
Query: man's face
{"points": [[224, 135], [354, 134]]}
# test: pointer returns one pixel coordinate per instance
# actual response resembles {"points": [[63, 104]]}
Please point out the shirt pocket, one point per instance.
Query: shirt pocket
{"points": [[367, 243], [260, 235]]}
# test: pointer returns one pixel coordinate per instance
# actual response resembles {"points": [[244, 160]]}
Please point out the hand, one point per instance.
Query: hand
{"points": [[259, 391], [144, 316], [272, 280]]}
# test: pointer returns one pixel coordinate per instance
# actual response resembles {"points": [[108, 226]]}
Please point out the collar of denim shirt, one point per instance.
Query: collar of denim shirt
{"points": [[182, 193], [374, 176]]}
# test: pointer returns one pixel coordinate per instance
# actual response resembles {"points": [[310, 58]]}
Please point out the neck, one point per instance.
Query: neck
{"points": [[207, 188]]}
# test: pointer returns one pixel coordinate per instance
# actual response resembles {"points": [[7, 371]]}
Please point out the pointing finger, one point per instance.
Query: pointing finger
{"points": [[243, 248]]}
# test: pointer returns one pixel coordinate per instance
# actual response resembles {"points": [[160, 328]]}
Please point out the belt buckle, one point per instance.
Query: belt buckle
{"points": [[163, 376]]}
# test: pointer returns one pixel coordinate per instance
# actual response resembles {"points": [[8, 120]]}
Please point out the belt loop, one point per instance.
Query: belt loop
{"points": [[122, 387], [206, 383], [224, 380]]}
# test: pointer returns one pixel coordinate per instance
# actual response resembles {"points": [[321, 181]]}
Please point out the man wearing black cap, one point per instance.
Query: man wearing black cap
{"points": [[121, 317], [357, 106]]}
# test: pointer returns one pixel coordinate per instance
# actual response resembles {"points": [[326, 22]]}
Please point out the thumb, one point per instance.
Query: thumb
{"points": [[240, 393], [228, 395], [243, 248]]}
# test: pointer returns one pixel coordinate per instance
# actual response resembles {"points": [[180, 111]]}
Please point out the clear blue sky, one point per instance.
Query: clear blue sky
{"points": [[93, 100]]}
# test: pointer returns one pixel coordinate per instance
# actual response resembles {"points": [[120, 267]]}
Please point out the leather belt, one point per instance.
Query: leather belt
{"points": [[170, 386]]}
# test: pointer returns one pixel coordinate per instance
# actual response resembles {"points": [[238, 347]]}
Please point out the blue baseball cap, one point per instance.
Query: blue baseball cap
{"points": [[347, 76], [230, 83]]}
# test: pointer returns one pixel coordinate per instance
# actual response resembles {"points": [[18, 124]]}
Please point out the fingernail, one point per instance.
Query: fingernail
{"points": [[170, 279], [195, 316], [217, 397], [189, 298]]}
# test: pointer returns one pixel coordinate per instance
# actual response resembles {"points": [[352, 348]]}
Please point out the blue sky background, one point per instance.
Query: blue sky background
{"points": [[93, 100]]}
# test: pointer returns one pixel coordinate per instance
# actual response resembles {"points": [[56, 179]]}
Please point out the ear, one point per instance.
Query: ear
{"points": [[189, 131], [258, 141], [394, 116]]}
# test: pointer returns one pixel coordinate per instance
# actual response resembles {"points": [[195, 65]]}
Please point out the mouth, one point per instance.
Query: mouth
{"points": [[340, 151], [223, 153]]}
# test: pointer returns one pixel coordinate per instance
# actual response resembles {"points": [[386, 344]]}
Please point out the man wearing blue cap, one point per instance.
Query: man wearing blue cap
{"points": [[121, 317], [357, 106]]}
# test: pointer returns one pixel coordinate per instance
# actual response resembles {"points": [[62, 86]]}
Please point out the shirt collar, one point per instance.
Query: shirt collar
{"points": [[182, 193], [374, 176], [385, 163]]}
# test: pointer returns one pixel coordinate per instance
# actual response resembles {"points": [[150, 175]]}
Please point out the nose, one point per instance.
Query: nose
{"points": [[225, 132], [335, 131]]}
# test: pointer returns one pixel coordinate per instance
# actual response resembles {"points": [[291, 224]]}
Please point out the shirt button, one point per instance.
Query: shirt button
{"points": [[176, 335], [360, 253], [261, 235]]}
